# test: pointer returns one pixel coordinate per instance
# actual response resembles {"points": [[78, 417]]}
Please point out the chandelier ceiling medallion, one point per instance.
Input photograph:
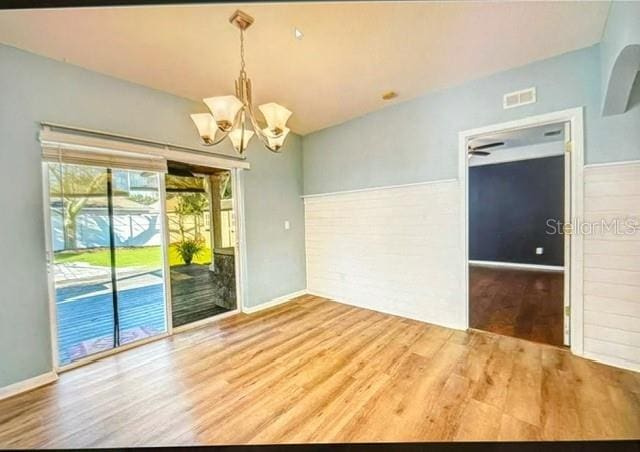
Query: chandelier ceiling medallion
{"points": [[229, 114]]}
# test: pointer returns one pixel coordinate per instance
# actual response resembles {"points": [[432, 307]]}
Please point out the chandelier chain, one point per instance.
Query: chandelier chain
{"points": [[242, 64]]}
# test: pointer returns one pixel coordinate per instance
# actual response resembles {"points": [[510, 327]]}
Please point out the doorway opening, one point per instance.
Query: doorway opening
{"points": [[518, 256], [201, 236]]}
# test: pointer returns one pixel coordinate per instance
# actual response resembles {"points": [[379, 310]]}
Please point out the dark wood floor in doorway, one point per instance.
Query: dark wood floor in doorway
{"points": [[519, 303]]}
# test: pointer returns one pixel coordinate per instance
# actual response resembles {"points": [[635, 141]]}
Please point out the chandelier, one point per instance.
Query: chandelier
{"points": [[230, 115]]}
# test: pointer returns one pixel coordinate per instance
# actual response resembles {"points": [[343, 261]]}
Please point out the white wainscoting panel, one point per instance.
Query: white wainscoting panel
{"points": [[612, 267], [395, 250]]}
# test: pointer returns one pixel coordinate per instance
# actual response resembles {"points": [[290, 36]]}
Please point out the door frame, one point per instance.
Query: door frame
{"points": [[51, 288], [166, 268], [573, 270]]}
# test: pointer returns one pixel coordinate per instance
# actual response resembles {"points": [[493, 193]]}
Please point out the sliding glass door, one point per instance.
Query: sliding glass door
{"points": [[107, 265], [78, 210], [138, 255]]}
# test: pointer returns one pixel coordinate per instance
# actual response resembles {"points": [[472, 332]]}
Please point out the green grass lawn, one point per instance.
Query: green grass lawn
{"points": [[146, 256]]}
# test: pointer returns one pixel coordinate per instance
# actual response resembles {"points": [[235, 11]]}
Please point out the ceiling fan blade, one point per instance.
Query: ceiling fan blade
{"points": [[479, 153], [486, 146]]}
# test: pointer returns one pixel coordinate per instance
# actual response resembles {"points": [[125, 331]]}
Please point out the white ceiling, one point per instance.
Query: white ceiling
{"points": [[351, 52]]}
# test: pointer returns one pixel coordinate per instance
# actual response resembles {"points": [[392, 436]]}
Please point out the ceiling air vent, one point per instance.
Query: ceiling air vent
{"points": [[519, 98]]}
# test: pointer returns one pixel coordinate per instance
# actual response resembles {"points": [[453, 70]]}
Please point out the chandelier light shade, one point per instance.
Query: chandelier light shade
{"points": [[239, 140], [206, 126], [224, 110], [276, 117], [233, 115], [277, 142]]}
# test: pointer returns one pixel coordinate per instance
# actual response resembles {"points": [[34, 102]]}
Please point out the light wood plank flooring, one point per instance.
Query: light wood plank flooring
{"points": [[314, 370]]}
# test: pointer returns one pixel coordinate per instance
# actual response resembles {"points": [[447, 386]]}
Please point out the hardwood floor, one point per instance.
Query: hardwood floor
{"points": [[519, 303], [313, 370]]}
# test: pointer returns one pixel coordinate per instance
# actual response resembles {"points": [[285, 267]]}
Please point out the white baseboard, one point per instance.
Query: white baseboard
{"points": [[27, 385], [453, 326], [315, 293], [274, 302], [612, 361], [549, 268]]}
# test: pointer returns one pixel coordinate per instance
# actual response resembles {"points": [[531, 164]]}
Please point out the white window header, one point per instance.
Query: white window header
{"points": [[70, 145]]}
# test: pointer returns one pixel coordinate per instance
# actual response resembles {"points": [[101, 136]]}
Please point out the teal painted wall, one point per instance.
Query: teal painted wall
{"points": [[275, 256], [417, 140], [34, 89]]}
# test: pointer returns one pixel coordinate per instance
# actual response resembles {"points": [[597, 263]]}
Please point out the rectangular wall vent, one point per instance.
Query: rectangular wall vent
{"points": [[519, 98]]}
